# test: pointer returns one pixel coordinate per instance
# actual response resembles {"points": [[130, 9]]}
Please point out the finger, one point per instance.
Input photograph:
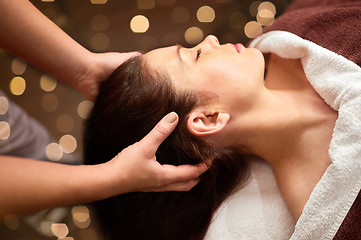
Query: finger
{"points": [[160, 132], [178, 187], [182, 172], [128, 55]]}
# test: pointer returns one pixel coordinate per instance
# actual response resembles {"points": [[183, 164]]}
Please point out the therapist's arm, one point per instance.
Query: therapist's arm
{"points": [[29, 185], [28, 34]]}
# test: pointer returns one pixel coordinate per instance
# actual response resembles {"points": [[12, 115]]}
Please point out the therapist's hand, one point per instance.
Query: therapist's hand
{"points": [[140, 170], [100, 67]]}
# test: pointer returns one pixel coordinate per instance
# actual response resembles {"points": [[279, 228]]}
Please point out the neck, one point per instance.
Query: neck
{"points": [[291, 130]]}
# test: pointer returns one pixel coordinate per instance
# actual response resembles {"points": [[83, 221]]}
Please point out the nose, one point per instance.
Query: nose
{"points": [[212, 41]]}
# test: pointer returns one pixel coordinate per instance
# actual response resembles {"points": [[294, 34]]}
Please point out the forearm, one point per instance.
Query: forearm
{"points": [[28, 186], [27, 33]]}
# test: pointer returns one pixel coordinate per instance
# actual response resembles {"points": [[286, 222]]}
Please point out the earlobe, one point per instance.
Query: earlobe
{"points": [[202, 124]]}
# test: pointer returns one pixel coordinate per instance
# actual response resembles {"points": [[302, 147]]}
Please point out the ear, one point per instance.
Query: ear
{"points": [[201, 123]]}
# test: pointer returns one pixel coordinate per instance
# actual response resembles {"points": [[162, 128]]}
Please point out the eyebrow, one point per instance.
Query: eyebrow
{"points": [[178, 51]]}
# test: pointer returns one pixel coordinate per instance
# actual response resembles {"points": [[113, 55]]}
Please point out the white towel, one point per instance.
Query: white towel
{"points": [[256, 211], [338, 81]]}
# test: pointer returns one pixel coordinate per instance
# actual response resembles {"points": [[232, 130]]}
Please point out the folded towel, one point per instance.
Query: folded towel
{"points": [[338, 81]]}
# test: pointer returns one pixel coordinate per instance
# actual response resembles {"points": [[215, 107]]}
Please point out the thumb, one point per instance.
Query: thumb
{"points": [[160, 132]]}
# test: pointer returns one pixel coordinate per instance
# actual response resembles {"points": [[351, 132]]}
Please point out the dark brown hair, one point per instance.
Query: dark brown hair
{"points": [[128, 106]]}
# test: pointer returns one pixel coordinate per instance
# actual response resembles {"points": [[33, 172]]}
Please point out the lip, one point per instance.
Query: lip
{"points": [[238, 47]]}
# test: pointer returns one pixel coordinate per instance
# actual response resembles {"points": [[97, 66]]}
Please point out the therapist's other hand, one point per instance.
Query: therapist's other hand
{"points": [[140, 170], [100, 67]]}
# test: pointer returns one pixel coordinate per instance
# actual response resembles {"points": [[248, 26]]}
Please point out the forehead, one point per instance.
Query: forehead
{"points": [[162, 57]]}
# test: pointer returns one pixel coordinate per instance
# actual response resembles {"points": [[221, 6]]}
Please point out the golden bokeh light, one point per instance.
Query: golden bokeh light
{"points": [[18, 66], [59, 230], [54, 152], [100, 41], [45, 228], [84, 108], [4, 105], [180, 15], [265, 17], [267, 6], [4, 130], [65, 123], [49, 102], [139, 24], [193, 35], [17, 86], [253, 29], [81, 217], [253, 8], [47, 83], [145, 4], [98, 1], [237, 20], [11, 221], [206, 14], [99, 23], [68, 143]]}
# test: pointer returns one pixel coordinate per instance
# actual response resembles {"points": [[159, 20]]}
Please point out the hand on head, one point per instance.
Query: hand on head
{"points": [[100, 67], [138, 168]]}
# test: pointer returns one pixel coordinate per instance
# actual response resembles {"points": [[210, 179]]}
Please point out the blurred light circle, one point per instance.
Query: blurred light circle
{"points": [[253, 29], [45, 228], [100, 41], [100, 23], [253, 8], [65, 123], [68, 143], [206, 14], [4, 130], [18, 66], [4, 105], [49, 102], [267, 6], [17, 86], [237, 20], [84, 109], [98, 1], [59, 230], [81, 217], [139, 24], [265, 17], [180, 15], [193, 35], [54, 152], [145, 4], [47, 83]]}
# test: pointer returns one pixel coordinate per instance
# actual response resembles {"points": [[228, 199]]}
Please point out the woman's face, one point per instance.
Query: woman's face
{"points": [[232, 72]]}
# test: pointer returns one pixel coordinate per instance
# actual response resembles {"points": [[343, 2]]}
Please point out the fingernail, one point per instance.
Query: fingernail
{"points": [[171, 117]]}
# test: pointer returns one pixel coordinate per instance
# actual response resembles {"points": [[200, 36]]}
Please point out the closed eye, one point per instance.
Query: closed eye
{"points": [[199, 51]]}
